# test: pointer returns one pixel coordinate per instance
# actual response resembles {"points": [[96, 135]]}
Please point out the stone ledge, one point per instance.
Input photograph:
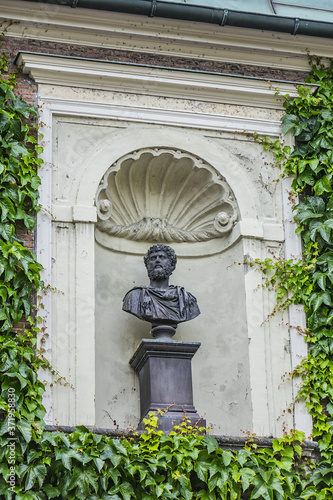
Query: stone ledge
{"points": [[234, 443]]}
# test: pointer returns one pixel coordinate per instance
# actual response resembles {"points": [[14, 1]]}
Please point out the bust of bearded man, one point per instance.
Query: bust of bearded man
{"points": [[161, 303]]}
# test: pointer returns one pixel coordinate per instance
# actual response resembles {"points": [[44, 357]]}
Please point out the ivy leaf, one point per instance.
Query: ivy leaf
{"points": [[316, 299], [242, 456], [7, 208], [327, 114], [314, 227], [307, 178], [7, 231], [310, 492], [329, 205], [114, 457], [322, 186], [24, 369], [262, 491], [326, 260], [313, 164], [201, 468], [81, 480], [247, 475], [23, 107], [114, 474], [3, 314], [18, 149], [306, 213], [329, 407], [329, 223], [289, 122], [316, 203], [25, 429], [126, 490], [51, 491], [317, 320], [29, 220], [35, 472], [320, 278], [120, 447], [325, 232], [326, 298], [218, 481], [226, 457], [211, 443], [266, 474], [35, 182], [276, 485], [27, 306], [99, 463], [323, 473], [325, 442], [8, 363]]}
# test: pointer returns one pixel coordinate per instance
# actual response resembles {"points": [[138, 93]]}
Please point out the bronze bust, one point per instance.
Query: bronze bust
{"points": [[163, 305]]}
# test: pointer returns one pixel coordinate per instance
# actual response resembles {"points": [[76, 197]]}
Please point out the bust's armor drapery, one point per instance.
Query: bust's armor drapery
{"points": [[173, 305]]}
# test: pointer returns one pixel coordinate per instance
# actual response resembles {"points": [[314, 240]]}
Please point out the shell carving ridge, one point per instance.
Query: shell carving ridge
{"points": [[165, 195]]}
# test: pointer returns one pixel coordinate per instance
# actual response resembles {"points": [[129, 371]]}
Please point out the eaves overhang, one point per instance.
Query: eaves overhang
{"points": [[218, 12]]}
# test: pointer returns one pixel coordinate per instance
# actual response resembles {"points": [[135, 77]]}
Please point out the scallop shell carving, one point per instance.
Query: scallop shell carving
{"points": [[164, 195]]}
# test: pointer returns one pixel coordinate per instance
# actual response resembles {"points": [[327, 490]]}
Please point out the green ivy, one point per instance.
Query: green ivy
{"points": [[183, 465], [19, 271], [21, 392], [311, 119], [310, 281], [187, 464]]}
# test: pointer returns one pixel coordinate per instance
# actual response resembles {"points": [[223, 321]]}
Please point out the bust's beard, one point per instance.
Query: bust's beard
{"points": [[160, 274]]}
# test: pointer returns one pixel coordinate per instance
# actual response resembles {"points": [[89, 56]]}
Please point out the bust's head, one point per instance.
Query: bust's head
{"points": [[160, 262]]}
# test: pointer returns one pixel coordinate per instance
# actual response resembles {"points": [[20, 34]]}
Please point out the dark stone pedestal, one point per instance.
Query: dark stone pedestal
{"points": [[164, 369]]}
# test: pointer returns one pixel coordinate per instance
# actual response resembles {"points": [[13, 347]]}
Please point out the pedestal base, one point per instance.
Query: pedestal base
{"points": [[165, 375]]}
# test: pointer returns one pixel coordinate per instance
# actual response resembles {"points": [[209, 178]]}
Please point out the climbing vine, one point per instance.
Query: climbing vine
{"points": [[310, 281], [311, 119], [187, 464]]}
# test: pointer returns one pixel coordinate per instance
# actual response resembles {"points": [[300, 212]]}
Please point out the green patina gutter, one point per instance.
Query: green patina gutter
{"points": [[222, 17]]}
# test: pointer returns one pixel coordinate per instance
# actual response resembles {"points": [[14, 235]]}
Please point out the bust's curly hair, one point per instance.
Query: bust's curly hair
{"points": [[162, 248]]}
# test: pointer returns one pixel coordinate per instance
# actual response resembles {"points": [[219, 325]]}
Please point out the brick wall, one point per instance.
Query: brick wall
{"points": [[13, 45]]}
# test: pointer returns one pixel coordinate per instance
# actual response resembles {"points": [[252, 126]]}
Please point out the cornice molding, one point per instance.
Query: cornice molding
{"points": [[87, 73], [158, 116], [166, 37]]}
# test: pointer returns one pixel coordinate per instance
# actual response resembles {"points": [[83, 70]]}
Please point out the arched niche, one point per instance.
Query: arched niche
{"points": [[172, 196]]}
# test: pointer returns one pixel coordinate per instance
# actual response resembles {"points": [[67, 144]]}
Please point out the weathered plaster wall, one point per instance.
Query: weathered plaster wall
{"points": [[237, 372], [227, 376]]}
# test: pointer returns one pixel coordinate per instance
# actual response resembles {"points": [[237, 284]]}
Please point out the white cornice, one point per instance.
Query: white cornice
{"points": [[87, 73], [141, 34]]}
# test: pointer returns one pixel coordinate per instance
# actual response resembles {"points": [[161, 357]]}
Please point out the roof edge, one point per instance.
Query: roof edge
{"points": [[212, 15]]}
